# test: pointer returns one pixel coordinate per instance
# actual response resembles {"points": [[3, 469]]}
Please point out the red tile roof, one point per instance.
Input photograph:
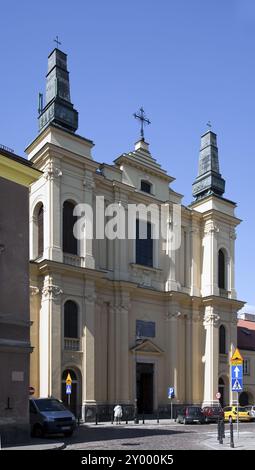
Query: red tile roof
{"points": [[246, 335]]}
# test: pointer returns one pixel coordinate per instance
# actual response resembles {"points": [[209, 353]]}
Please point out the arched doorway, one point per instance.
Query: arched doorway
{"points": [[221, 388], [73, 400], [245, 398]]}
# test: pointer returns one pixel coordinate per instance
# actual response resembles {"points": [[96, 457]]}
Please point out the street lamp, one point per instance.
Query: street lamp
{"points": [[137, 340]]}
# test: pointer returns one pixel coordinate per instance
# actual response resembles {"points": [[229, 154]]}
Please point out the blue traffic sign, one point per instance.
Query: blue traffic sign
{"points": [[237, 378], [68, 389], [170, 392]]}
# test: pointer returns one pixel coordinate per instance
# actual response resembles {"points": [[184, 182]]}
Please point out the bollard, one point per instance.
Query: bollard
{"points": [[231, 432], [112, 418], [96, 419], [221, 432], [157, 417], [143, 417], [126, 420], [223, 428], [218, 436]]}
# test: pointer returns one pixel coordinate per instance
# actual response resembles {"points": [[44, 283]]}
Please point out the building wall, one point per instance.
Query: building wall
{"points": [[14, 311]]}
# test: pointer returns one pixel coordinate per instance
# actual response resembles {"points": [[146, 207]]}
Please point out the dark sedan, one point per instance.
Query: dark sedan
{"points": [[191, 414]]}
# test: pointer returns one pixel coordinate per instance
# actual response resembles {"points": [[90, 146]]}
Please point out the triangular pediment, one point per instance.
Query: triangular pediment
{"points": [[146, 346]]}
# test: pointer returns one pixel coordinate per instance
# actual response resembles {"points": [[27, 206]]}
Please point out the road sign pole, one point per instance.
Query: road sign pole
{"points": [[237, 415], [171, 408]]}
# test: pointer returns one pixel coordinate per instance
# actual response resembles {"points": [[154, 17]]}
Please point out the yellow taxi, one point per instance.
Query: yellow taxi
{"points": [[231, 411]]}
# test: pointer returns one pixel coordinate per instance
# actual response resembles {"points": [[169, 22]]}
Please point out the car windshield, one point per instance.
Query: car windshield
{"points": [[242, 409], [49, 405]]}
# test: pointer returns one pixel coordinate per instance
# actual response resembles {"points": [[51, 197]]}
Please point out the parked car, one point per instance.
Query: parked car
{"points": [[212, 413], [251, 411], [49, 416], [190, 414], [231, 411]]}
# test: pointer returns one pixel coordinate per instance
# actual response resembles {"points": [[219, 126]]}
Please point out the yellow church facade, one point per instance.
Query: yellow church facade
{"points": [[126, 317]]}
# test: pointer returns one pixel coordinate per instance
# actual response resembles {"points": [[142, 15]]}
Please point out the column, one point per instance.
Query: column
{"points": [[111, 355], [172, 257], [189, 359], [171, 345], [231, 286], [210, 260], [197, 393], [52, 212], [89, 379], [50, 339], [86, 248], [124, 389], [195, 258], [211, 358]]}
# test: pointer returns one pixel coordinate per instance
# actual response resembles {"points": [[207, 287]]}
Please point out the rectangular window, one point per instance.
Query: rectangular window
{"points": [[246, 367], [145, 187], [145, 329], [144, 246]]}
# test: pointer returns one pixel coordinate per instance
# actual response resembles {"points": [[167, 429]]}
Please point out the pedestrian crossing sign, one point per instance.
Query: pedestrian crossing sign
{"points": [[68, 389]]}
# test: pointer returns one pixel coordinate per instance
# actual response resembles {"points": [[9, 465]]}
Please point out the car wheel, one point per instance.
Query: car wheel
{"points": [[38, 431], [68, 433]]}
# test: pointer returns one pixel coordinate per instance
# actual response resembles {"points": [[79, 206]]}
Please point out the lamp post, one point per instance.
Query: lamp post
{"points": [[137, 340]]}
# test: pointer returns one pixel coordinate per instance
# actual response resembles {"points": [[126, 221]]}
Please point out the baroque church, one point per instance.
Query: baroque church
{"points": [[127, 318]]}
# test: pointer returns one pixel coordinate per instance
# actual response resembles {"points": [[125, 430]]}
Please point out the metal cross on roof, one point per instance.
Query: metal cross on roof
{"points": [[57, 41], [142, 118], [209, 125]]}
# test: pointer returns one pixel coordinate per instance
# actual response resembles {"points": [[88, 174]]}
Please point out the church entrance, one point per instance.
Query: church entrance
{"points": [[144, 387]]}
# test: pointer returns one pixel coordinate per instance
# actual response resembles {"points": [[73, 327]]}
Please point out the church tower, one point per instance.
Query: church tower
{"points": [[57, 257], [218, 234], [58, 108]]}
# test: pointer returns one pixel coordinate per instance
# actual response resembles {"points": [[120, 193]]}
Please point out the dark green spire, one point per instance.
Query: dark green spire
{"points": [[209, 180], [58, 108]]}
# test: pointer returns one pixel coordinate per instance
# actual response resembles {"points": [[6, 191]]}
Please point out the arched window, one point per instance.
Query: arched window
{"points": [[70, 319], [222, 340], [69, 241], [40, 230], [38, 243], [221, 270]]}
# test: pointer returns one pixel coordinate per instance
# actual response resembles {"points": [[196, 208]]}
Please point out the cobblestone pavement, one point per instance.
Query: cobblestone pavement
{"points": [[152, 436]]}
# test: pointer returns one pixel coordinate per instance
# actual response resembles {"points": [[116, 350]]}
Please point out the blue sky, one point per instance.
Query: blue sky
{"points": [[185, 61]]}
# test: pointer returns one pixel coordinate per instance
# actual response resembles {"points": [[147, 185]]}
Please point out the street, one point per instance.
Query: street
{"points": [[153, 436]]}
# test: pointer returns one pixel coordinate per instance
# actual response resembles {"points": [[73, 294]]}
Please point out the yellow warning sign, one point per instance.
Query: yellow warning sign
{"points": [[236, 359], [68, 379]]}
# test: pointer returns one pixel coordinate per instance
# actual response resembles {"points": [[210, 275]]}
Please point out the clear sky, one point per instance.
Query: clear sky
{"points": [[185, 61]]}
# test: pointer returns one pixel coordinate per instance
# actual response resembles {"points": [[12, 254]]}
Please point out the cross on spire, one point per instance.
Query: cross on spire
{"points": [[209, 125], [57, 41], [142, 118]]}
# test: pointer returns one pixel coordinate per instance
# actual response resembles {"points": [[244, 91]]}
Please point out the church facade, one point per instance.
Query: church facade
{"points": [[126, 317]]}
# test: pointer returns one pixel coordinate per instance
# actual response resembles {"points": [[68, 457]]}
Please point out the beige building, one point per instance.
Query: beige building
{"points": [[246, 345], [128, 318]]}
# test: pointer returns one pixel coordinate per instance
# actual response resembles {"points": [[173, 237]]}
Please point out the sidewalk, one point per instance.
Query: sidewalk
{"points": [[245, 441], [38, 444]]}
